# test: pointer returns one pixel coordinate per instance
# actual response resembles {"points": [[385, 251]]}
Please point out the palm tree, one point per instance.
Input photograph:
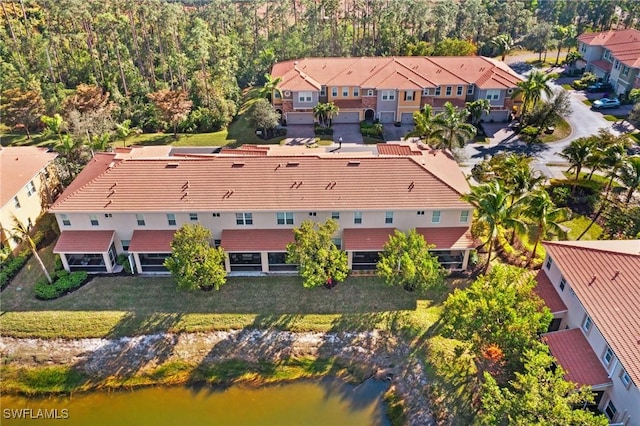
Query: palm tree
{"points": [[20, 234], [477, 108], [320, 113], [493, 209], [614, 157], [124, 131], [270, 86], [425, 127], [455, 131], [331, 110], [577, 154], [630, 175], [545, 216], [532, 88], [504, 43]]}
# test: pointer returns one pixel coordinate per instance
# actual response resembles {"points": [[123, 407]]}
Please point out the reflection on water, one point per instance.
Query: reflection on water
{"points": [[325, 402]]}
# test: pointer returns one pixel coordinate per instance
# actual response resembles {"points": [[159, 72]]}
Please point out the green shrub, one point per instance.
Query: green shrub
{"points": [[63, 284], [10, 268], [57, 263], [319, 130], [123, 260], [579, 85]]}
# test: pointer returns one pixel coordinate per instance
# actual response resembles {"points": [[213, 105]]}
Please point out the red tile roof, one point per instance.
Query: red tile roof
{"points": [[448, 237], [18, 166], [394, 149], [365, 239], [252, 240], [547, 292], [440, 102], [574, 354], [348, 104], [410, 72], [603, 65], [271, 183], [605, 278], [84, 242], [151, 241], [624, 44]]}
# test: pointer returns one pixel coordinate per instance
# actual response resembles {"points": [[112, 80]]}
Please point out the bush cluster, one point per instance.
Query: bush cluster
{"points": [[10, 268], [63, 283], [372, 130], [319, 130]]}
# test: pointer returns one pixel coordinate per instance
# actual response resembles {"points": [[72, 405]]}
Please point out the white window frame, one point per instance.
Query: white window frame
{"points": [[357, 218], [334, 92], [549, 263], [125, 245], [31, 188], [436, 216], [388, 218], [323, 90], [616, 64], [470, 89], [16, 202], [140, 219], [284, 218], [438, 91], [171, 219], [464, 216], [493, 94], [625, 71], [370, 92], [625, 378], [93, 219], [459, 91], [388, 95], [587, 324], [305, 97], [244, 218], [64, 218], [425, 91], [615, 410], [356, 92], [409, 95], [335, 215], [563, 283], [193, 217], [608, 353], [448, 91], [345, 92]]}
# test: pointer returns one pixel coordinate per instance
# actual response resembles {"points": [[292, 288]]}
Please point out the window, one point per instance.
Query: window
{"points": [[335, 215], [29, 223], [420, 212], [470, 89], [323, 91], [345, 92], [448, 91], [16, 202], [409, 95], [435, 216], [356, 92], [586, 325], [215, 214], [216, 243], [193, 217], [625, 70], [549, 263], [94, 220], [437, 91], [276, 94], [284, 218], [140, 219], [357, 218], [388, 95], [610, 411], [370, 92], [425, 92], [171, 219], [31, 188], [459, 91], [65, 219], [608, 356], [244, 219], [108, 215], [304, 97], [563, 283], [388, 217], [624, 377], [616, 65], [312, 214], [125, 244], [493, 95], [464, 216], [337, 242], [334, 92]]}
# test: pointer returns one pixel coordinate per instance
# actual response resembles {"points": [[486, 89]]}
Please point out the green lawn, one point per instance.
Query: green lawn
{"points": [[596, 178], [587, 102], [578, 224], [562, 130], [567, 86]]}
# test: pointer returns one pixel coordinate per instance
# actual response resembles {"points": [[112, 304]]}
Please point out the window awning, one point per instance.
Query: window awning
{"points": [[574, 354], [151, 241], [545, 290], [365, 239], [448, 237], [254, 240], [83, 242]]}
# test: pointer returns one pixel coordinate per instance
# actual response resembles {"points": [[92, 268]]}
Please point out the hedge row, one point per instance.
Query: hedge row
{"points": [[64, 283], [10, 269]]}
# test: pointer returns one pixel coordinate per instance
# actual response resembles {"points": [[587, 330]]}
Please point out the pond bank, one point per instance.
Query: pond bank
{"points": [[223, 357]]}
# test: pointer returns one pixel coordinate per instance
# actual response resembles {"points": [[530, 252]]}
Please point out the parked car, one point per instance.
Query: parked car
{"points": [[600, 87], [606, 103]]}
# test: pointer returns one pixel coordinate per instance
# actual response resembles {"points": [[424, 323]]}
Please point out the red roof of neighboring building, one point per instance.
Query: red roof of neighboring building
{"points": [[83, 242], [408, 72], [448, 237], [574, 354], [365, 239], [151, 241], [545, 290], [266, 183], [605, 278], [18, 166], [623, 44], [252, 240], [395, 149]]}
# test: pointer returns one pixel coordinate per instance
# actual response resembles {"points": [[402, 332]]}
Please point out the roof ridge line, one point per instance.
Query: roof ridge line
{"points": [[579, 247], [109, 167], [414, 158]]}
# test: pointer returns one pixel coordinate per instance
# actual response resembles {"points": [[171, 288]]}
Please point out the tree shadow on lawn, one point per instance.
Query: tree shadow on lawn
{"points": [[511, 145]]}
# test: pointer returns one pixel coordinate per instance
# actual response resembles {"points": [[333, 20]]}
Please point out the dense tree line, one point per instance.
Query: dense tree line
{"points": [[212, 49]]}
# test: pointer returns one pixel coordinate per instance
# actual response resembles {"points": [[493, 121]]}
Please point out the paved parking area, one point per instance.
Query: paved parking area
{"points": [[392, 133], [349, 133]]}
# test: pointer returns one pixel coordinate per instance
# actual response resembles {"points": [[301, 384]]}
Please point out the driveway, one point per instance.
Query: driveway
{"points": [[350, 133], [392, 133], [299, 134]]}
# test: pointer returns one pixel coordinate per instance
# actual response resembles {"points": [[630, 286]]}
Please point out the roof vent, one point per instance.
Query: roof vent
{"points": [[237, 164], [171, 165], [411, 185], [114, 185], [293, 163], [353, 163]]}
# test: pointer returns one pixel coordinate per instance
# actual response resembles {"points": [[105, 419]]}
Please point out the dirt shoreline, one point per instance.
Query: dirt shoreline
{"points": [[380, 353]]}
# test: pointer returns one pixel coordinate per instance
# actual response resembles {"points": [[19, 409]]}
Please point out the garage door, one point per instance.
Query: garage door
{"points": [[347, 117], [407, 118], [299, 118], [387, 117]]}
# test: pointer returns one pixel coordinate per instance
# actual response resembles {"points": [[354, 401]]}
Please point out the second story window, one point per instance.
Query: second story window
{"points": [[409, 95], [345, 92], [304, 97], [16, 202], [449, 90], [608, 356], [549, 263], [437, 91], [356, 92], [284, 218], [31, 188], [435, 216], [493, 95], [388, 217], [65, 219], [624, 377], [193, 217], [334, 92], [323, 91], [625, 70], [459, 91], [464, 216], [94, 220], [244, 219], [171, 219], [563, 284], [140, 219], [335, 215], [357, 218], [587, 323], [388, 95], [470, 89]]}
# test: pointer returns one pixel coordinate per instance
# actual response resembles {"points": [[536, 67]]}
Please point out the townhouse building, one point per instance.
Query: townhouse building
{"points": [[251, 199], [391, 89], [28, 185], [613, 56], [593, 291]]}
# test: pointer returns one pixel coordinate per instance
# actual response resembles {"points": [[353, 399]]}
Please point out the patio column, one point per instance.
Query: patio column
{"points": [[349, 259], [65, 262], [227, 262], [136, 258], [264, 260], [107, 262], [465, 259]]}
